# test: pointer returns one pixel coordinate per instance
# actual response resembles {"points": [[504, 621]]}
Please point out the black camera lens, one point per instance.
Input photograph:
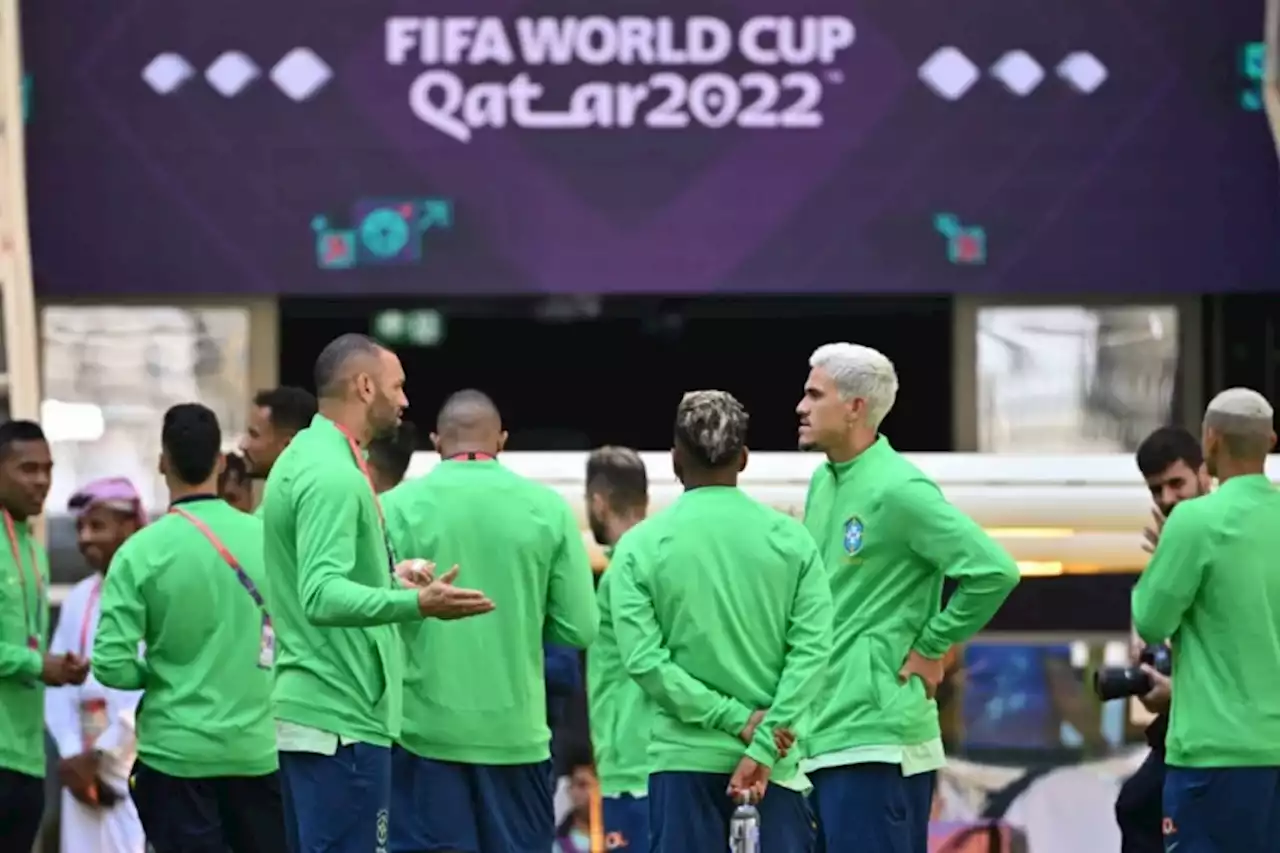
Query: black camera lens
{"points": [[1121, 682]]}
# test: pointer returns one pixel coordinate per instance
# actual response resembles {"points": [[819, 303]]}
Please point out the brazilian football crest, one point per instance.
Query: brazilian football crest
{"points": [[852, 536]]}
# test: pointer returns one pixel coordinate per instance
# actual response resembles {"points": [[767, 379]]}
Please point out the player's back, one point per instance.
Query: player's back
{"points": [[474, 688], [722, 572], [207, 707]]}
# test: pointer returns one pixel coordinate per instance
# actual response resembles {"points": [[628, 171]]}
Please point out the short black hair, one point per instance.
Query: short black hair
{"points": [[192, 441], [291, 408], [391, 454], [15, 431], [619, 475], [334, 357], [236, 470], [1166, 446]]}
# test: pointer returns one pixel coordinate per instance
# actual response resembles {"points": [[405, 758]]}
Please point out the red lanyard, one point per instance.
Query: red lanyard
{"points": [[358, 456], [30, 620], [470, 457], [227, 557], [94, 594]]}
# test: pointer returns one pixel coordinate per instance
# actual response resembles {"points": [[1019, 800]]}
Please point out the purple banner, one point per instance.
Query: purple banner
{"points": [[652, 146]]}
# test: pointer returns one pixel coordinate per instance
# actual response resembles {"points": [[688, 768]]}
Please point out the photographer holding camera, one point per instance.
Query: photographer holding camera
{"points": [[1172, 464], [1213, 588]]}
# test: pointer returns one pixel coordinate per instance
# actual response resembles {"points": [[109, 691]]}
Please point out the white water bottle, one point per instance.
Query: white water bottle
{"points": [[744, 827]]}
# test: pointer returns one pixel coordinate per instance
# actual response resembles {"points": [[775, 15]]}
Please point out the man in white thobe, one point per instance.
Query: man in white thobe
{"points": [[92, 725]]}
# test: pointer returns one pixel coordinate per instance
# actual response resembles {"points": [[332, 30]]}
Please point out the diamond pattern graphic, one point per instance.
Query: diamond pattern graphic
{"points": [[1019, 73], [949, 73], [301, 73], [1083, 71], [167, 72], [231, 73]]}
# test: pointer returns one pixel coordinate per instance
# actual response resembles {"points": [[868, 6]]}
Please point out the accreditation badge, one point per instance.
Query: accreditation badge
{"points": [[93, 721], [267, 646]]}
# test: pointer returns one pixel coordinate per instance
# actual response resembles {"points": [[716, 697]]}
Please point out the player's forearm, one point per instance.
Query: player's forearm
{"points": [[1155, 612], [805, 667], [689, 700], [19, 662], [335, 602], [574, 626], [116, 664], [986, 574]]}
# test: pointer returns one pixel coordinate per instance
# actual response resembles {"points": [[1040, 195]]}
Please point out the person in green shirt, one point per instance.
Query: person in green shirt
{"points": [[722, 613], [183, 619], [26, 471], [277, 415], [337, 595], [888, 538], [1212, 589], [472, 765], [620, 713]]}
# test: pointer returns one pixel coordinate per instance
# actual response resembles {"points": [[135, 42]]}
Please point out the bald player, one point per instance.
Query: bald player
{"points": [[473, 761], [336, 593], [1213, 589]]}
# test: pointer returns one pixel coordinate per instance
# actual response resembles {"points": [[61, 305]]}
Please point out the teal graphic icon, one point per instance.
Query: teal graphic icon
{"points": [[385, 232], [966, 244], [1253, 58]]}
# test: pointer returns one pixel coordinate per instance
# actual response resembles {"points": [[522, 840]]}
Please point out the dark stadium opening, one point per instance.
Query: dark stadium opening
{"points": [[571, 374]]}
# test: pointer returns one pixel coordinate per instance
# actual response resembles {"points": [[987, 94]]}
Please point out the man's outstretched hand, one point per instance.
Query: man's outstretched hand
{"points": [[440, 599]]}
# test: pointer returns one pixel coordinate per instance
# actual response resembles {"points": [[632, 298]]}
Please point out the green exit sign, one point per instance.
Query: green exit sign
{"points": [[422, 327]]}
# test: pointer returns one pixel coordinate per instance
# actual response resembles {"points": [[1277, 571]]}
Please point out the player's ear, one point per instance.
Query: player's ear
{"points": [[502, 441], [742, 460], [162, 464], [435, 442], [220, 465]]}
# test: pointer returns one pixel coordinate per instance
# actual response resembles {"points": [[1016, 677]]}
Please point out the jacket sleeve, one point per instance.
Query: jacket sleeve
{"points": [[808, 653], [1169, 583], [328, 512], [61, 708], [573, 617], [955, 546], [122, 626], [647, 659]]}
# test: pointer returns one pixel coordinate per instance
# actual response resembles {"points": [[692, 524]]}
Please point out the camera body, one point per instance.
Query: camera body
{"points": [[1121, 682]]}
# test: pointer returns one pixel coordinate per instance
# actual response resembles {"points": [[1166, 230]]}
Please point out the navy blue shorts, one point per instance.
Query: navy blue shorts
{"points": [[872, 808], [337, 803], [1222, 810], [626, 823], [690, 812], [470, 808]]}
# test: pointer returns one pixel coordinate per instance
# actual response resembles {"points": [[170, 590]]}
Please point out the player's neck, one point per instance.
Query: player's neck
{"points": [[179, 490], [16, 514], [1229, 468], [352, 418], [853, 446]]}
